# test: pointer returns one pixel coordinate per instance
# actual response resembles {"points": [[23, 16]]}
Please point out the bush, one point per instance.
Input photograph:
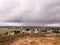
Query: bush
{"points": [[55, 31], [27, 29], [16, 32], [6, 33]]}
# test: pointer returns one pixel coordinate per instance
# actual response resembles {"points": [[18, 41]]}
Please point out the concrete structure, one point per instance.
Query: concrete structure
{"points": [[49, 31], [11, 33], [35, 30], [24, 31]]}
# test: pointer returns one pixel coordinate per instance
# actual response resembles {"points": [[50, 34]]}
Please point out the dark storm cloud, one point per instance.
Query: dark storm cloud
{"points": [[30, 12], [52, 13]]}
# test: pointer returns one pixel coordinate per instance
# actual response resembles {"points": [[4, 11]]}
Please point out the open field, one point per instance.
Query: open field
{"points": [[39, 38], [35, 41], [4, 30], [38, 41], [27, 39]]}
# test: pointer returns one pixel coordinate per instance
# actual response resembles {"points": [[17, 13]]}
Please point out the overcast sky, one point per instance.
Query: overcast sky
{"points": [[30, 12]]}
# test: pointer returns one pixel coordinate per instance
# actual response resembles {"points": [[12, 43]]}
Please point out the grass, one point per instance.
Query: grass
{"points": [[32, 43], [3, 30]]}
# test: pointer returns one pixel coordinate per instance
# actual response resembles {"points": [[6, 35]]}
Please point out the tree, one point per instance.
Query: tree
{"points": [[18, 31], [55, 31], [27, 29], [6, 33], [15, 31]]}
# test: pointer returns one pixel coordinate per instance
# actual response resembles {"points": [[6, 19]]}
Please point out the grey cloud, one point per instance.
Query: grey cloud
{"points": [[31, 12]]}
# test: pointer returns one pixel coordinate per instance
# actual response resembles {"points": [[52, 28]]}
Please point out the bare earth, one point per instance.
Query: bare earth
{"points": [[37, 41]]}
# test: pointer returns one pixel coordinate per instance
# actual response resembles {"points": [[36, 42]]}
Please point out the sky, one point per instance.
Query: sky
{"points": [[29, 12]]}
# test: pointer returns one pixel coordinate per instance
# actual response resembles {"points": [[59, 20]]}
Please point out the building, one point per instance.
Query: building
{"points": [[25, 31], [50, 31], [36, 30]]}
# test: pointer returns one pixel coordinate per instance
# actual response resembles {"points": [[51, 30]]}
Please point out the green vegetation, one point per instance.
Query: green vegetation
{"points": [[16, 31], [4, 30], [27, 29], [17, 34]]}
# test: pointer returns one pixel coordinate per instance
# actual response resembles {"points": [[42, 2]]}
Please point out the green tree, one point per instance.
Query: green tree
{"points": [[27, 29]]}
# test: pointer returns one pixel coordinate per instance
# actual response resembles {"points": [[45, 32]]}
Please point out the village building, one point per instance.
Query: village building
{"points": [[11, 33], [36, 30], [59, 31], [53, 31], [50, 31], [25, 31]]}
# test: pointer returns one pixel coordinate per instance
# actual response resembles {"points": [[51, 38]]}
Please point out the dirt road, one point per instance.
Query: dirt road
{"points": [[37, 41]]}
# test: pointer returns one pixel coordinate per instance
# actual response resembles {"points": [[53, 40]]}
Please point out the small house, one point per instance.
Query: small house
{"points": [[11, 33], [36, 31], [26, 31], [49, 31]]}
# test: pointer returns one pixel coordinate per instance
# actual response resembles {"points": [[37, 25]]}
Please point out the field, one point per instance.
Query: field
{"points": [[29, 39], [3, 30], [38, 41]]}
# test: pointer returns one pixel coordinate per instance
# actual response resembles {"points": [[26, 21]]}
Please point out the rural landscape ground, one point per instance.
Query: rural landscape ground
{"points": [[29, 38], [38, 41]]}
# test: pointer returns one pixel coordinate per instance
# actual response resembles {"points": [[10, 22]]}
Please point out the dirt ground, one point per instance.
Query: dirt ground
{"points": [[37, 41]]}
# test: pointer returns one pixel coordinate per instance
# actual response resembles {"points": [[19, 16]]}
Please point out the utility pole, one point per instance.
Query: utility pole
{"points": [[21, 29]]}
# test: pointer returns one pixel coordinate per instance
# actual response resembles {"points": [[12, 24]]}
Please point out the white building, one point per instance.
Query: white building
{"points": [[35, 31], [11, 33], [49, 31], [24, 31], [59, 31]]}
